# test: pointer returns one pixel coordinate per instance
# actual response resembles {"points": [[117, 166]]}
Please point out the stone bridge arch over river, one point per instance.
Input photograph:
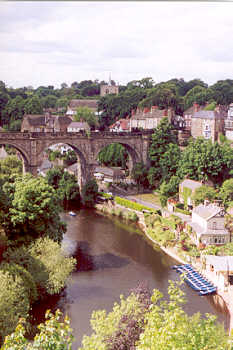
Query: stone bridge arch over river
{"points": [[87, 147]]}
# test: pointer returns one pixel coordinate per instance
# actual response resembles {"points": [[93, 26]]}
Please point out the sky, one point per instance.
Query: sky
{"points": [[48, 43]]}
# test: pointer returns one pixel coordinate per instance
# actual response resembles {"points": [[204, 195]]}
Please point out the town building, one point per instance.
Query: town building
{"points": [[121, 125], [208, 124], [78, 126], [110, 88], [108, 174], [149, 118], [219, 269], [44, 123], [75, 104], [187, 189], [229, 123], [188, 114], [208, 224]]}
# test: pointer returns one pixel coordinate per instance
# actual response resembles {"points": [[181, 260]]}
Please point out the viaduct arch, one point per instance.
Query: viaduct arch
{"points": [[87, 147]]}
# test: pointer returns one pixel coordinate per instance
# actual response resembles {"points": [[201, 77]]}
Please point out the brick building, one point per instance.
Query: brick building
{"points": [[149, 118], [45, 123], [75, 104]]}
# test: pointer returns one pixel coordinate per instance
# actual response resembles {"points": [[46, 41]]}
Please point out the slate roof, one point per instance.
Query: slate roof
{"points": [[191, 184], [79, 125], [35, 119], [64, 120], [109, 171], [83, 103], [207, 211], [156, 113], [208, 115], [220, 263]]}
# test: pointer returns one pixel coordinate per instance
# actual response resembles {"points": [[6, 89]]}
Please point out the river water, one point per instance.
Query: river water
{"points": [[112, 259]]}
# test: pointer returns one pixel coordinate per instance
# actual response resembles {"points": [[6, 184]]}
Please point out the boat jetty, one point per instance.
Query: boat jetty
{"points": [[195, 280]]}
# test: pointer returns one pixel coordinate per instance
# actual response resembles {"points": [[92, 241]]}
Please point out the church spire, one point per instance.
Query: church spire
{"points": [[110, 80]]}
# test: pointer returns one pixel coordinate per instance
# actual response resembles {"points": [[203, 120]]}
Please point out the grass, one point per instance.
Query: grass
{"points": [[149, 197]]}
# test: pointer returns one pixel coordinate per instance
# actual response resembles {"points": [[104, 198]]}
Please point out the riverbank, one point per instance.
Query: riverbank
{"points": [[223, 299]]}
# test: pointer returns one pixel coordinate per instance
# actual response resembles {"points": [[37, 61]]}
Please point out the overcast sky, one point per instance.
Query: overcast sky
{"points": [[48, 43]]}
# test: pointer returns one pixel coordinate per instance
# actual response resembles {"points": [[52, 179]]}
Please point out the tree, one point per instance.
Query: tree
{"points": [[198, 94], [226, 192], [223, 91], [202, 160], [168, 327], [160, 140], [87, 115], [202, 193], [114, 155], [49, 101], [169, 161], [35, 210], [139, 174], [11, 165], [62, 102], [33, 106], [14, 302], [89, 193], [46, 262], [168, 189], [53, 334]]}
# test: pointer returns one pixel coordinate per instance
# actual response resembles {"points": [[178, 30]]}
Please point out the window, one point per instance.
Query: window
{"points": [[214, 225]]}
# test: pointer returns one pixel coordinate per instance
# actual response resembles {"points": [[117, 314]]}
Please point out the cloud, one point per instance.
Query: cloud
{"points": [[52, 42]]}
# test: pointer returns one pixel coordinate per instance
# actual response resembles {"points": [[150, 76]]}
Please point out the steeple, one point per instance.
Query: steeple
{"points": [[110, 80]]}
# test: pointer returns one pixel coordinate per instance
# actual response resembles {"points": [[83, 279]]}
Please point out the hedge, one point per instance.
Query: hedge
{"points": [[183, 211], [133, 205]]}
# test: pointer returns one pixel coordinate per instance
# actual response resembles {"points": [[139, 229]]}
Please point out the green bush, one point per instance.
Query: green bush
{"points": [[183, 211]]}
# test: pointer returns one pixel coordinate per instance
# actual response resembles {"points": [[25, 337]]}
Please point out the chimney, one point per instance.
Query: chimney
{"points": [[133, 112], [196, 107], [153, 108], [146, 110], [165, 112]]}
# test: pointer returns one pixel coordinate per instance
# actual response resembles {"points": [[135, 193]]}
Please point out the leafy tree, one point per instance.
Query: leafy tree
{"points": [[169, 161], [15, 125], [168, 327], [14, 302], [86, 114], [139, 174], [11, 165], [49, 101], [53, 334], [62, 102], [35, 210], [202, 160], [168, 189], [198, 94], [202, 193], [33, 105], [226, 192], [223, 91], [45, 260], [160, 140], [114, 155], [89, 193]]}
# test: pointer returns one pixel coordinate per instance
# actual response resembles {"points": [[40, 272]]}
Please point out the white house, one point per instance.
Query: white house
{"points": [[208, 224], [219, 269], [78, 126]]}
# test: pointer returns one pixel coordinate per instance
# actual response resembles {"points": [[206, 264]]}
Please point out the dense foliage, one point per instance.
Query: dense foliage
{"points": [[114, 155], [85, 114], [89, 193]]}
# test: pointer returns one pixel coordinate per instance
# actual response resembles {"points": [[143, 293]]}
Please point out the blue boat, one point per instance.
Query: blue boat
{"points": [[195, 280], [71, 213]]}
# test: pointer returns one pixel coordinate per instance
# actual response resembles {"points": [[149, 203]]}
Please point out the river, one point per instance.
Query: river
{"points": [[112, 259]]}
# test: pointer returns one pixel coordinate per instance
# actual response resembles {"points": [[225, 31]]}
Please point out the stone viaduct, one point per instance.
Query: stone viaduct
{"points": [[33, 144]]}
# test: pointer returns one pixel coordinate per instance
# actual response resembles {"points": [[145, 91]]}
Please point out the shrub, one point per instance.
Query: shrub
{"points": [[132, 205]]}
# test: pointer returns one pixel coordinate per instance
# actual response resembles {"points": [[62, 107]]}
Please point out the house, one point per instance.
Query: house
{"points": [[44, 123], [109, 174], [186, 191], [229, 123], [208, 124], [3, 153], [188, 113], [75, 104], [149, 118], [219, 269], [45, 167], [78, 126], [208, 224], [121, 125]]}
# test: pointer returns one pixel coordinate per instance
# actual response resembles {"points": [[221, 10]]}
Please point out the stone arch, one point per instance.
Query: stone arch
{"points": [[23, 152], [133, 154], [82, 162]]}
